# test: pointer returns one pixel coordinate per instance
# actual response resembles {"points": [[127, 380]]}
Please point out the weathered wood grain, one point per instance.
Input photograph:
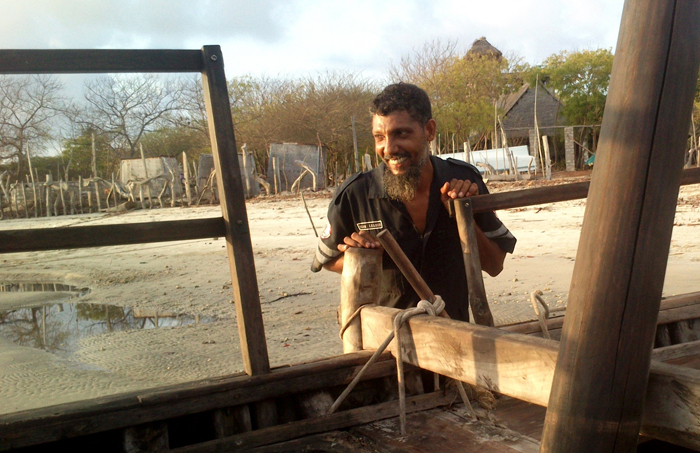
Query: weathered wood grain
{"points": [[598, 389], [12, 241], [522, 366], [251, 330], [338, 420], [359, 285], [60, 61]]}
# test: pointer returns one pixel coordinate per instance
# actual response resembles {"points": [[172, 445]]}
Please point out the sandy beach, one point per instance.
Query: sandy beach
{"points": [[299, 307]]}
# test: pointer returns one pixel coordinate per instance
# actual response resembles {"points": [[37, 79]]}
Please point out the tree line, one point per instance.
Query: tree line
{"points": [[120, 115]]}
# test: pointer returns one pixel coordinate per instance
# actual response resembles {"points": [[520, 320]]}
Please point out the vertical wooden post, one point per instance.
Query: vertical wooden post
{"points": [[569, 149], [186, 174], [238, 244], [246, 176], [472, 264], [547, 158], [97, 195], [359, 285], [604, 356], [80, 193], [276, 173], [354, 145], [48, 195]]}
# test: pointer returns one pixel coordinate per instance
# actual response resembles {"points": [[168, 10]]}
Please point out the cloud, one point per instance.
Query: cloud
{"points": [[134, 23]]}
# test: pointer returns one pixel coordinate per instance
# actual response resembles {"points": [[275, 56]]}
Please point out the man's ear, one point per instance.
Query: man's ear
{"points": [[430, 130]]}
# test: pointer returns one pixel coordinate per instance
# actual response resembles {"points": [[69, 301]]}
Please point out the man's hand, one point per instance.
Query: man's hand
{"points": [[363, 239], [458, 188]]}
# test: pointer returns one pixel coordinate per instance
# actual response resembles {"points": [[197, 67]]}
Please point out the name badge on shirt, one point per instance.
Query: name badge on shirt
{"points": [[368, 226]]}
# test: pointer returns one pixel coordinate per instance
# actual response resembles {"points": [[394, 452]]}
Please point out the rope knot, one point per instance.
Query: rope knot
{"points": [[433, 309]]}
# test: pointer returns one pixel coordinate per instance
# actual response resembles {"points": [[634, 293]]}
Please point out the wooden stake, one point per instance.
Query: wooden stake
{"points": [[599, 384], [354, 146], [63, 198], [547, 159], [359, 285], [48, 195], [24, 198], [472, 265], [186, 174], [238, 243]]}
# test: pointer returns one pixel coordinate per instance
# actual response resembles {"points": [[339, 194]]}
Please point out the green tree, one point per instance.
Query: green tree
{"points": [[77, 155], [463, 86], [581, 80]]}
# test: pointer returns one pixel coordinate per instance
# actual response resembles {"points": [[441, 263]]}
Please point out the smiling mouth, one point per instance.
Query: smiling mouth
{"points": [[396, 160]]}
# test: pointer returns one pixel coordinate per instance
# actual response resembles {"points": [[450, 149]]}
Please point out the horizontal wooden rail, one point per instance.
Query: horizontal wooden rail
{"points": [[64, 421], [19, 61], [32, 240], [673, 309], [551, 194], [522, 366]]}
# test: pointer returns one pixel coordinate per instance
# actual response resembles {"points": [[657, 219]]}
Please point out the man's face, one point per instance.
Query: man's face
{"points": [[401, 141]]}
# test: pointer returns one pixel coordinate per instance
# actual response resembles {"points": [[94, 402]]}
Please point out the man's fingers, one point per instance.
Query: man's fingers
{"points": [[362, 239]]}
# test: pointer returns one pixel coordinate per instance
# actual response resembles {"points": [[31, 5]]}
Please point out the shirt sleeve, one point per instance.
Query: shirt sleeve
{"points": [[339, 226], [492, 226]]}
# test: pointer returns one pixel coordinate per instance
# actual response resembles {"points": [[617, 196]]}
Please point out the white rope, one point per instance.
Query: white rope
{"points": [[423, 307]]}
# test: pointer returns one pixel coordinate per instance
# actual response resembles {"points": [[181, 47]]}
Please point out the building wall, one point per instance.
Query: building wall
{"points": [[288, 154], [521, 117]]}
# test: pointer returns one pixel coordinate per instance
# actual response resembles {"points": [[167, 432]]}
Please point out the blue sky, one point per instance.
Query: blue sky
{"points": [[298, 37]]}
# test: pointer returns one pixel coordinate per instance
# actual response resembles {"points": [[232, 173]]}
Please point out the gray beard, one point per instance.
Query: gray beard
{"points": [[403, 188]]}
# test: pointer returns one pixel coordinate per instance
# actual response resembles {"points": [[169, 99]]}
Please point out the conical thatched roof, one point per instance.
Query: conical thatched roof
{"points": [[482, 48]]}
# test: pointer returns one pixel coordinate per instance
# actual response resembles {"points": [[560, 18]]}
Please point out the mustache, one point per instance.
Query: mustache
{"points": [[388, 157]]}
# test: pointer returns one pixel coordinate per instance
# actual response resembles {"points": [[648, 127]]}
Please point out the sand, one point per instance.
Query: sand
{"points": [[299, 307]]}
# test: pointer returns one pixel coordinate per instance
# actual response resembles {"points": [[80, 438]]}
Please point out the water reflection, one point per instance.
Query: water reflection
{"points": [[58, 327]]}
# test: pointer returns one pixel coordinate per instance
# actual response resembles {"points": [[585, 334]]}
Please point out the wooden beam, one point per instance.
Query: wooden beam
{"points": [[338, 420], [550, 194], [74, 237], [238, 245], [96, 415], [522, 366], [64, 61], [359, 285], [673, 309], [598, 389]]}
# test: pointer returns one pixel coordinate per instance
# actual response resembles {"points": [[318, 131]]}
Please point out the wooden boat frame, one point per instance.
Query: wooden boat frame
{"points": [[245, 410]]}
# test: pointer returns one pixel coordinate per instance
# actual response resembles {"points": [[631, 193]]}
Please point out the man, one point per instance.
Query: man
{"points": [[408, 195]]}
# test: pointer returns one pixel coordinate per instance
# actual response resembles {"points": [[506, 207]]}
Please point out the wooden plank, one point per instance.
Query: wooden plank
{"points": [[673, 309], [472, 263], [74, 61], [676, 351], [445, 432], [107, 413], [551, 194], [32, 240], [598, 389], [251, 330], [359, 285], [522, 367], [333, 441], [316, 425]]}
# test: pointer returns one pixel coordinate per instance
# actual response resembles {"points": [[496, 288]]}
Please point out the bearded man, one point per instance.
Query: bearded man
{"points": [[408, 195]]}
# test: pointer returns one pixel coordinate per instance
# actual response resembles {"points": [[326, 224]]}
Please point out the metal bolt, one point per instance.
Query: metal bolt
{"points": [[214, 58], [239, 222]]}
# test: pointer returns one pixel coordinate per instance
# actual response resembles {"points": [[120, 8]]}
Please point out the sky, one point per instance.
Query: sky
{"points": [[301, 37]]}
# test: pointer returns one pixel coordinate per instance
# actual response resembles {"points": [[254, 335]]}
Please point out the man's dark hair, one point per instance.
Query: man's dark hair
{"points": [[403, 97]]}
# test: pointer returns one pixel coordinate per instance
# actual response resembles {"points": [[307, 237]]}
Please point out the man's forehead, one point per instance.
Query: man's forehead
{"points": [[395, 118]]}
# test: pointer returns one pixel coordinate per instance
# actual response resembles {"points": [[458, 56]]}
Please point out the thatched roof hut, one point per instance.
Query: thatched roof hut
{"points": [[519, 111], [482, 48]]}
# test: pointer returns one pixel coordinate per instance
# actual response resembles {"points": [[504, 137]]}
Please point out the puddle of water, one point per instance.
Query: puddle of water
{"points": [[58, 327]]}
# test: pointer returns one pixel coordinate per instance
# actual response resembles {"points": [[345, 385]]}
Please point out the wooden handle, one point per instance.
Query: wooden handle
{"points": [[406, 267], [472, 264]]}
